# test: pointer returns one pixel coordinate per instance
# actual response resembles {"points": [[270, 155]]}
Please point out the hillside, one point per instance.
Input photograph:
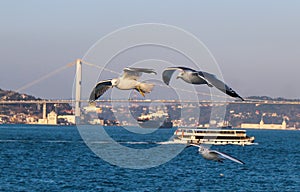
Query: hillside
{"points": [[17, 113]]}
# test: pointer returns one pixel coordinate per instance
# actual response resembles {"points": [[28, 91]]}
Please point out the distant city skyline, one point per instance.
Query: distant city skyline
{"points": [[256, 43]]}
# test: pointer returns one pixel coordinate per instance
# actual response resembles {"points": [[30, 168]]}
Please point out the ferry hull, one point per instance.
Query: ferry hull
{"points": [[155, 124], [216, 141], [213, 137]]}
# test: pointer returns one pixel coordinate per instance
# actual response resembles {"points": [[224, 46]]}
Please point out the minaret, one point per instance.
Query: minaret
{"points": [[261, 123], [283, 125]]}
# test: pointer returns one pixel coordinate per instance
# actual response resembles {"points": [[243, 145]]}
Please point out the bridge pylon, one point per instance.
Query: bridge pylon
{"points": [[78, 90]]}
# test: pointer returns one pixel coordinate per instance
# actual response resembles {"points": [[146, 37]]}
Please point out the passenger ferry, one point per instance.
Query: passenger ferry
{"points": [[212, 136]]}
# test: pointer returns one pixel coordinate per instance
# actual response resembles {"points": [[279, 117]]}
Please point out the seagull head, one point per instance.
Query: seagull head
{"points": [[115, 82], [201, 149]]}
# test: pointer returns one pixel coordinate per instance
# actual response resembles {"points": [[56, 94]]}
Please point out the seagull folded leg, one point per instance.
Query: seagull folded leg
{"points": [[140, 91]]}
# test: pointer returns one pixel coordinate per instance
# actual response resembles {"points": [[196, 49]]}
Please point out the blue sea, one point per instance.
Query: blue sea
{"points": [[55, 158]]}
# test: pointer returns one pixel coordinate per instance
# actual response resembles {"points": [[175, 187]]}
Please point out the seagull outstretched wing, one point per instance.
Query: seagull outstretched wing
{"points": [[195, 145], [135, 73], [214, 81], [100, 89], [226, 156]]}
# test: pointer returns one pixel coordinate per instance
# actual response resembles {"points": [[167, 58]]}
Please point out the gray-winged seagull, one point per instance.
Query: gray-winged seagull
{"points": [[215, 155], [129, 80], [198, 77]]}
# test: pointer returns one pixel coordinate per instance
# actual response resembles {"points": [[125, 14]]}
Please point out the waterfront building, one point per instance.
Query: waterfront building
{"points": [[262, 125], [52, 118]]}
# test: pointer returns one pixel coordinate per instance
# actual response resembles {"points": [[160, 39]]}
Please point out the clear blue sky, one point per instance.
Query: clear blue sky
{"points": [[256, 43]]}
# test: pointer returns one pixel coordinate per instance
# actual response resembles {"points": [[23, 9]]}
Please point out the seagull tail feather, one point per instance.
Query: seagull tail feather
{"points": [[146, 87]]}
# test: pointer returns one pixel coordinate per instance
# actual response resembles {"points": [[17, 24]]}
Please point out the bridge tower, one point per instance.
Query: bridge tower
{"points": [[78, 90]]}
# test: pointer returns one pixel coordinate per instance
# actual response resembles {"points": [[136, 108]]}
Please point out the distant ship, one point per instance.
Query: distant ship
{"points": [[158, 119], [213, 136]]}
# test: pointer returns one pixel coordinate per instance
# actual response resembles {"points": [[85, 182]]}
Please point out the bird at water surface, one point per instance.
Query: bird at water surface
{"points": [[215, 155]]}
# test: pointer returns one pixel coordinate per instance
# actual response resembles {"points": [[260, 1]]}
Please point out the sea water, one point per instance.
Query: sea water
{"points": [[55, 158]]}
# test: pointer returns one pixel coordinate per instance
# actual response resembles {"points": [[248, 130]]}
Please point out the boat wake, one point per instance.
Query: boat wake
{"points": [[93, 142], [37, 141]]}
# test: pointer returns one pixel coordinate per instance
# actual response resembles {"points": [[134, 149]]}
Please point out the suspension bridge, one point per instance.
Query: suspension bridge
{"points": [[78, 101]]}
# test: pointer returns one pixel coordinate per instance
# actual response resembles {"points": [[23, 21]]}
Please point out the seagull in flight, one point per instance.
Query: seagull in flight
{"points": [[198, 77], [128, 81], [215, 155]]}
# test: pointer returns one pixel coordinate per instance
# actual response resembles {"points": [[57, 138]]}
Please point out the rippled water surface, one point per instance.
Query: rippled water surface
{"points": [[55, 158]]}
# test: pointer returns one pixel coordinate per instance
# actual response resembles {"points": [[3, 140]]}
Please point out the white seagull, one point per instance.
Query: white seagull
{"points": [[129, 80], [215, 155], [198, 77]]}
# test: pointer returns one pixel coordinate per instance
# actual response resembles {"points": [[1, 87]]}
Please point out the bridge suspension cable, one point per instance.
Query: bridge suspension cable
{"points": [[50, 74], [100, 67]]}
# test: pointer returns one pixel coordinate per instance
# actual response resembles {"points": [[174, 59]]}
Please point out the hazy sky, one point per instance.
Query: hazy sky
{"points": [[256, 43]]}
